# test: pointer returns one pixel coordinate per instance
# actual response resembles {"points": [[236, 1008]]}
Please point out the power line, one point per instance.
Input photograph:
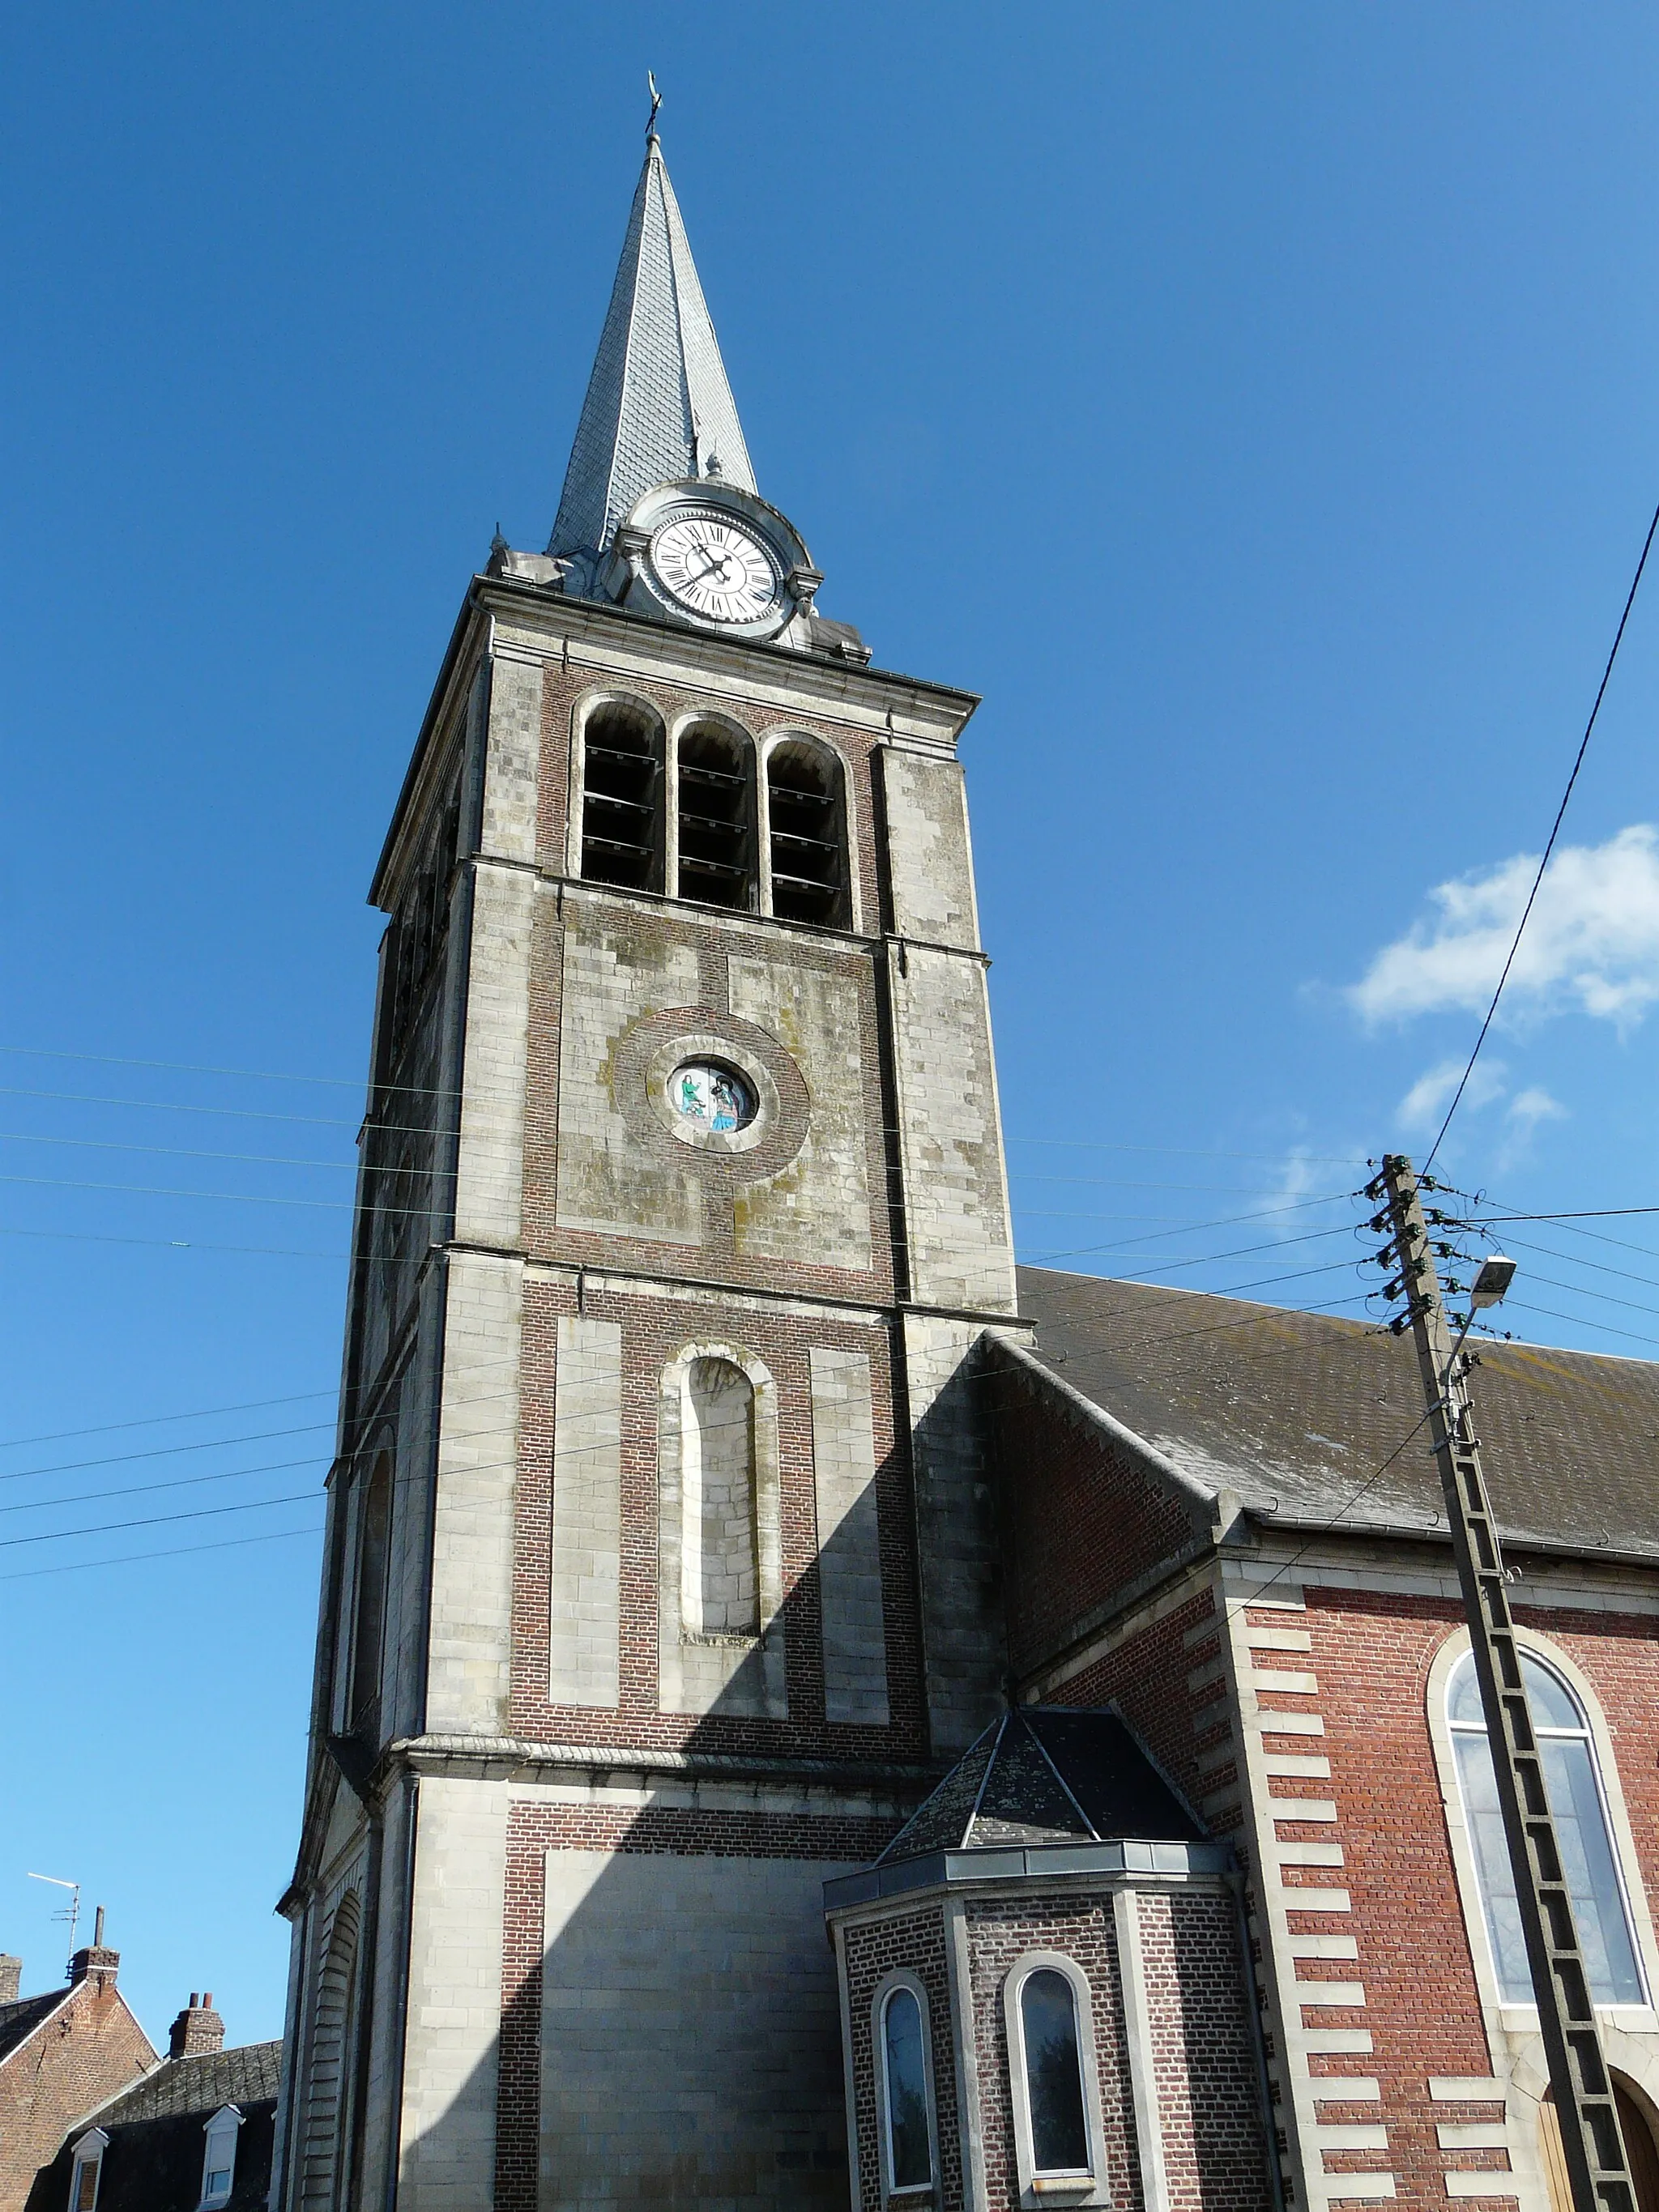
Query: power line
{"points": [[179, 1552], [1555, 831]]}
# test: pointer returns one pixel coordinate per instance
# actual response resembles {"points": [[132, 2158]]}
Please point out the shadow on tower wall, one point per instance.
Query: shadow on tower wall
{"points": [[670, 2031]]}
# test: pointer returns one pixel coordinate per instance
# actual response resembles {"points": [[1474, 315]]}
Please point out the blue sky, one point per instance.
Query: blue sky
{"points": [[1255, 405]]}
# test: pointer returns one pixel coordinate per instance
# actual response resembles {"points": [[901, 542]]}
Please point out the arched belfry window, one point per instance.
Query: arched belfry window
{"points": [[715, 775], [1577, 1795], [368, 1619], [718, 1473], [622, 798], [806, 818], [905, 2086]]}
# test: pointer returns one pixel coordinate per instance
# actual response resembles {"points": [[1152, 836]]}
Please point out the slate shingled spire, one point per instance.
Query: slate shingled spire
{"points": [[658, 406]]}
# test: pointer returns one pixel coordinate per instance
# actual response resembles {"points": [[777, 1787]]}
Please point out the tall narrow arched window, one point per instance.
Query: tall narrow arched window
{"points": [[907, 2128], [1053, 2055], [806, 815], [718, 1470], [1578, 1801], [716, 777], [622, 798], [368, 1623], [331, 2046]]}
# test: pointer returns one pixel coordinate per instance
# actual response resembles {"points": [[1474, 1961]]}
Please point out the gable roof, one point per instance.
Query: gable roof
{"points": [[197, 2086], [1296, 1412], [20, 2019], [659, 407], [1046, 1774]]}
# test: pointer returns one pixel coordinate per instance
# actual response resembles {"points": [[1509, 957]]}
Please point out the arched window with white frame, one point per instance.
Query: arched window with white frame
{"points": [[1578, 1801], [1048, 2016], [904, 2087]]}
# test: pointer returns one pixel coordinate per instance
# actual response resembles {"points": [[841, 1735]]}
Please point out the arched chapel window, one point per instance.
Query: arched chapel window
{"points": [[720, 1477], [1578, 1801], [808, 837], [1053, 2055], [716, 776], [369, 1624], [622, 798], [907, 2129]]}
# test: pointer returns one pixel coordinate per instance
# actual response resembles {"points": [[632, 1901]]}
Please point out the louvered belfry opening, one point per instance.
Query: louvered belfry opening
{"points": [[809, 871], [717, 815], [621, 800]]}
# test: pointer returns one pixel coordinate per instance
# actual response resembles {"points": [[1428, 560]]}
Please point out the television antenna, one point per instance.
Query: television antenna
{"points": [[71, 1911]]}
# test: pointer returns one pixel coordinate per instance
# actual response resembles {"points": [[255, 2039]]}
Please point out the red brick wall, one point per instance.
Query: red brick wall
{"points": [[917, 1941], [1146, 1677], [89, 2049], [1373, 1654], [1081, 1519], [532, 1832], [997, 1936], [1214, 2154], [653, 1330]]}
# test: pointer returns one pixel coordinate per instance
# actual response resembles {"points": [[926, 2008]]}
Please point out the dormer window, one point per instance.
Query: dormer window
{"points": [[219, 2160], [87, 2171]]}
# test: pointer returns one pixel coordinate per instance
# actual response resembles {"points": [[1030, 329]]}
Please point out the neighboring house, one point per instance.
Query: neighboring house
{"points": [[60, 2054], [194, 2136]]}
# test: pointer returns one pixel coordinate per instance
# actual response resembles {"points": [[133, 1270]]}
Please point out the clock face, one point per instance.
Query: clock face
{"points": [[715, 568]]}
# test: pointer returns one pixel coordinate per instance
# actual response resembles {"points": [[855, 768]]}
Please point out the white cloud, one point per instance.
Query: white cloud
{"points": [[1429, 1096], [1531, 1107], [1592, 942]]}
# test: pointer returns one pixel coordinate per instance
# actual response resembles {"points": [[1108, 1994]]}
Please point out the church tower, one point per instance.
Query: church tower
{"points": [[660, 1583]]}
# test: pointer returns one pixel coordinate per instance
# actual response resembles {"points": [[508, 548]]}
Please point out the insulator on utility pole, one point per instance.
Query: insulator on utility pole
{"points": [[1591, 2143]]}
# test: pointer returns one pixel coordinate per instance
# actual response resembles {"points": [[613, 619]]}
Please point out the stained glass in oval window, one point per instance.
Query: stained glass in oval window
{"points": [[706, 1096]]}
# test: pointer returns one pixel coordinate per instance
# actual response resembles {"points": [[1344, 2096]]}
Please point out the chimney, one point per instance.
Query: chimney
{"points": [[198, 2028], [11, 1974], [95, 1960]]}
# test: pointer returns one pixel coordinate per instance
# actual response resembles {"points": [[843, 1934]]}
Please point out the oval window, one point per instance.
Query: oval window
{"points": [[707, 1096]]}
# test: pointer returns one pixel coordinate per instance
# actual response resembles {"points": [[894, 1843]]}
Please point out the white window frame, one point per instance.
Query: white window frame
{"points": [[227, 2121], [1036, 2188], [89, 2151], [916, 2192], [1506, 2022]]}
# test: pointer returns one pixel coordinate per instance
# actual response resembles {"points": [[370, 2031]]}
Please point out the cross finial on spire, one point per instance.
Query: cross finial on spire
{"points": [[656, 102]]}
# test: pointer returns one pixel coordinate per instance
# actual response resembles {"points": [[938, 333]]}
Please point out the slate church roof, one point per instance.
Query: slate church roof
{"points": [[1297, 1411], [659, 407], [1046, 1774]]}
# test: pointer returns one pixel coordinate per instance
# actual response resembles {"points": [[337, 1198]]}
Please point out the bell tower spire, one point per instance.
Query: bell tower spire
{"points": [[658, 406]]}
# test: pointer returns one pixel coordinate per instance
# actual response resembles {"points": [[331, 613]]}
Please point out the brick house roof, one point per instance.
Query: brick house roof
{"points": [[157, 2138], [18, 2020], [198, 2085], [1295, 1413]]}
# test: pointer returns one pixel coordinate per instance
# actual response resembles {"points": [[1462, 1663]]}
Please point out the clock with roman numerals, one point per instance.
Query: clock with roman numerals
{"points": [[713, 565]]}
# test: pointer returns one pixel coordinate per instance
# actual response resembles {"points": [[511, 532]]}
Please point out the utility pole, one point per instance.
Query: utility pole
{"points": [[1591, 2140]]}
